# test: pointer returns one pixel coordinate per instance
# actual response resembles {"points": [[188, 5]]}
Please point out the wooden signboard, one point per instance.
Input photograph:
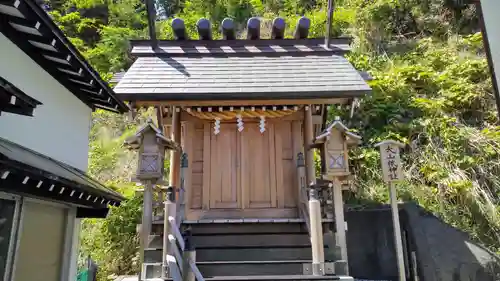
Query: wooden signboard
{"points": [[391, 161]]}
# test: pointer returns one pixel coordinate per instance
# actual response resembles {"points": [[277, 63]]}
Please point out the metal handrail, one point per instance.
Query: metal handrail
{"points": [[180, 266], [197, 274], [176, 232]]}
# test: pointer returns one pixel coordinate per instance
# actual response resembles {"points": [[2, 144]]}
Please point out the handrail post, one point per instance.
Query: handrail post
{"points": [[302, 191], [317, 245], [182, 191], [340, 237], [147, 220], [169, 211], [189, 256]]}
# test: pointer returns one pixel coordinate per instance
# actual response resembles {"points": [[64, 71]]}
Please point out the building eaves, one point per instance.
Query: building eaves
{"points": [[25, 171], [29, 27]]}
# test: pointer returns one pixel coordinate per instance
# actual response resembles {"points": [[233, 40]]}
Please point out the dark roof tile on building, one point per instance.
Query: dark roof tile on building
{"points": [[184, 70], [23, 170], [258, 77], [29, 27], [13, 100]]}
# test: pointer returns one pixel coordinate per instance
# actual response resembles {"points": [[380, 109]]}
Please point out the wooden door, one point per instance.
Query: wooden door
{"points": [[224, 163], [258, 176]]}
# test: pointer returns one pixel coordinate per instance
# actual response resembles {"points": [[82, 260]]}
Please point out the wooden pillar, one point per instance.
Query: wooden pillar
{"points": [[338, 204], [308, 139], [175, 156]]}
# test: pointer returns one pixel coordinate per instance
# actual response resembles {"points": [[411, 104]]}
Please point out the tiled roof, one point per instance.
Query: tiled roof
{"points": [[297, 74]]}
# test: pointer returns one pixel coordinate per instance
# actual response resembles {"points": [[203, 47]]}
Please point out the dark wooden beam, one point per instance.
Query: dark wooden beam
{"points": [[253, 29], [179, 29], [33, 52], [64, 43], [328, 34], [17, 109], [278, 31], [302, 30], [36, 28], [204, 29], [228, 31], [151, 12]]}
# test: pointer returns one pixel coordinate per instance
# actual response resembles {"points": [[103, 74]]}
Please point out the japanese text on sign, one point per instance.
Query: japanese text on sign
{"points": [[391, 162]]}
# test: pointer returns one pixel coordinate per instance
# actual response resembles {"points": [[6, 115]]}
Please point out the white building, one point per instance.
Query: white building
{"points": [[47, 94]]}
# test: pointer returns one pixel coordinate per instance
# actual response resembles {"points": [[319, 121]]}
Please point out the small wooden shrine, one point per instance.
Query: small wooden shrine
{"points": [[247, 115], [242, 111]]}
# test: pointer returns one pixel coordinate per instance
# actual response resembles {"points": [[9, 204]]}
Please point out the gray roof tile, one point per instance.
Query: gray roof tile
{"points": [[235, 77]]}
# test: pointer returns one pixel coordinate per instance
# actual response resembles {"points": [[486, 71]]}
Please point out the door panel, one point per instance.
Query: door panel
{"points": [[224, 189], [258, 180], [249, 171]]}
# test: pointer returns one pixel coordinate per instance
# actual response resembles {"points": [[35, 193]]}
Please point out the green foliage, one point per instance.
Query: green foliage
{"points": [[438, 100], [431, 91]]}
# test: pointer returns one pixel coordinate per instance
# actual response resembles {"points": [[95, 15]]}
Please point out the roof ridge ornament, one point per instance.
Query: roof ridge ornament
{"points": [[204, 29], [179, 29], [278, 31], [302, 29], [253, 28], [228, 31]]}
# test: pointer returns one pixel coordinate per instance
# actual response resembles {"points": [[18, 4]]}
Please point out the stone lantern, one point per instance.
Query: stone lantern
{"points": [[334, 143], [151, 144]]}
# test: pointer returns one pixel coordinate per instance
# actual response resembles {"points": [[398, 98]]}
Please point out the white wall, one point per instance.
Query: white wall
{"points": [[60, 126], [491, 8]]}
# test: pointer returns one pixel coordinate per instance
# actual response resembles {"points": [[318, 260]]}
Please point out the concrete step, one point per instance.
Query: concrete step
{"points": [[248, 268], [248, 226], [153, 269], [242, 241], [280, 278], [241, 254], [257, 278], [251, 240]]}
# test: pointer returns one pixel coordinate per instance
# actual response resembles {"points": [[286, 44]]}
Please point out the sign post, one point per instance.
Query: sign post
{"points": [[391, 169]]}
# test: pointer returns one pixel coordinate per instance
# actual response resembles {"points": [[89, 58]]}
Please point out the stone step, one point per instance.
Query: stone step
{"points": [[248, 268]]}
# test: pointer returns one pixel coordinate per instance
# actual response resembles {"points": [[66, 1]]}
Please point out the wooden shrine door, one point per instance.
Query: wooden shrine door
{"points": [[225, 191], [244, 174], [257, 170]]}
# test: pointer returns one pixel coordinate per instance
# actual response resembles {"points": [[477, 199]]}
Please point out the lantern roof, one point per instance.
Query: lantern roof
{"points": [[352, 138], [135, 141]]}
